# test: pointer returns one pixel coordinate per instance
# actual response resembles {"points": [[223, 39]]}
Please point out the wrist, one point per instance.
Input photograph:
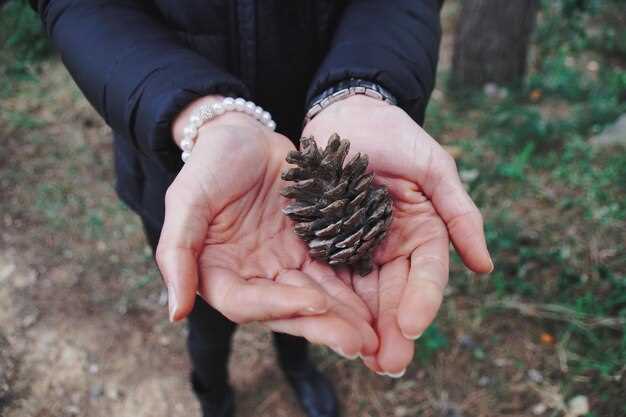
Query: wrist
{"points": [[182, 119], [359, 101], [215, 111], [347, 89], [348, 111]]}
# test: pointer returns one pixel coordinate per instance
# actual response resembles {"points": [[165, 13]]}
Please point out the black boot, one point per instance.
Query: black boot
{"points": [[213, 403], [315, 393]]}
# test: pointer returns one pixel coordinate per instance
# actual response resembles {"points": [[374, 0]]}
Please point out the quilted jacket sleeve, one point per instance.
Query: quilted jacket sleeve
{"points": [[132, 68], [393, 43]]}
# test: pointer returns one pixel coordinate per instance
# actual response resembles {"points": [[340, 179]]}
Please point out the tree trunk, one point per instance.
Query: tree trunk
{"points": [[491, 42]]}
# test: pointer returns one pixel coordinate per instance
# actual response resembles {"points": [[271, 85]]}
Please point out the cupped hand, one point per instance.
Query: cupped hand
{"points": [[406, 287], [225, 238]]}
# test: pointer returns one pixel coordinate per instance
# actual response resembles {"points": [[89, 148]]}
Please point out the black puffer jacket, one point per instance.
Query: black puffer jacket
{"points": [[139, 62]]}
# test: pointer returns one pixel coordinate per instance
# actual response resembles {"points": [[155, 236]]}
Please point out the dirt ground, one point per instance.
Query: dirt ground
{"points": [[69, 349], [83, 325]]}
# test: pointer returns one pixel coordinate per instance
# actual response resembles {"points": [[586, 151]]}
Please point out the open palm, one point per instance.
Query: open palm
{"points": [[405, 289], [225, 238]]}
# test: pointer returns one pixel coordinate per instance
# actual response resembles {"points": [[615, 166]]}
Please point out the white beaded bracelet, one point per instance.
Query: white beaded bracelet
{"points": [[211, 111]]}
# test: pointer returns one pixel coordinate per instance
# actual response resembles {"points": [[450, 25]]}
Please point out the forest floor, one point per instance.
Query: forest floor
{"points": [[83, 325]]}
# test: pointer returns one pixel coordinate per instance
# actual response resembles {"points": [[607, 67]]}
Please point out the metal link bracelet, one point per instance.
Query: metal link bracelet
{"points": [[345, 89], [208, 112]]}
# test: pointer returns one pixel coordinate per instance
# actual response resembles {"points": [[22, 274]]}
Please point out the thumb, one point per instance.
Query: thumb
{"points": [[184, 230], [456, 208]]}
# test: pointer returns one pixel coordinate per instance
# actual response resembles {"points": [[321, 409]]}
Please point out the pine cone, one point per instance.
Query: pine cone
{"points": [[337, 210]]}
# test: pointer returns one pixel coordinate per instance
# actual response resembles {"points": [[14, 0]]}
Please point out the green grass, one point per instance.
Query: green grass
{"points": [[553, 202], [21, 40], [544, 163]]}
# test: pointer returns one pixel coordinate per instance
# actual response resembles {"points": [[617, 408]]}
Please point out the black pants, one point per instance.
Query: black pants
{"points": [[209, 343]]}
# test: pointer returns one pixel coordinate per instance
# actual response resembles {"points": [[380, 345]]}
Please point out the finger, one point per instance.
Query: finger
{"points": [[327, 278], [368, 335], [183, 232], [179, 269], [458, 211], [259, 299], [372, 364], [325, 329], [395, 351], [296, 278], [370, 341], [367, 289], [423, 293], [344, 273]]}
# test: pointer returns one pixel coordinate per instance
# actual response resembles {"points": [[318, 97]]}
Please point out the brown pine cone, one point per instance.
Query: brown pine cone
{"points": [[337, 209]]}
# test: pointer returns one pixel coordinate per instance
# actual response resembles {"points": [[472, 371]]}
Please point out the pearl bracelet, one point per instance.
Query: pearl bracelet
{"points": [[208, 112]]}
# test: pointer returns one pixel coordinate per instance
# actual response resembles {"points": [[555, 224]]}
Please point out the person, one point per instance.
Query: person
{"points": [[364, 69]]}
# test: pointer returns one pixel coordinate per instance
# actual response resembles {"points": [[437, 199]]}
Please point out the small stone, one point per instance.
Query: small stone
{"points": [[72, 410], [593, 66], [535, 376], [614, 134], [30, 319], [483, 381], [578, 406], [490, 90], [400, 411], [93, 368], [469, 175], [113, 393], [539, 409], [501, 362]]}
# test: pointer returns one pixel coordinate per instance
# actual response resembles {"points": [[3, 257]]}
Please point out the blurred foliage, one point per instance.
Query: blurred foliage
{"points": [[581, 25], [551, 198], [22, 44]]}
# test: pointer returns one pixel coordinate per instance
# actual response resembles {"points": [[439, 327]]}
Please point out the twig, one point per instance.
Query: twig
{"points": [[558, 313]]}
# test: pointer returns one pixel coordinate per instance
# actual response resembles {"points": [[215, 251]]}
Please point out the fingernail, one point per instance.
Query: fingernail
{"points": [[492, 267], [314, 310], [381, 373], [412, 336], [171, 302], [397, 375], [340, 352]]}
